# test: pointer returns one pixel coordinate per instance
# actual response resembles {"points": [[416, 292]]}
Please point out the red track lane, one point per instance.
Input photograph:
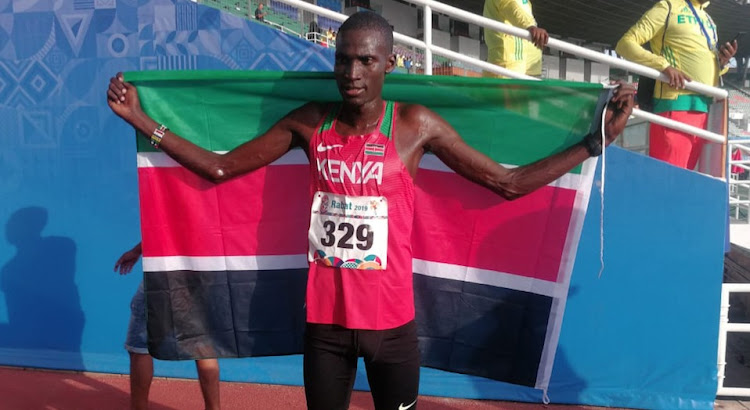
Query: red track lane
{"points": [[32, 389]]}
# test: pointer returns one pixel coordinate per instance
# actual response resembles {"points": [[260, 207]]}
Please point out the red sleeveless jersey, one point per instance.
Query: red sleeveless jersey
{"points": [[360, 230]]}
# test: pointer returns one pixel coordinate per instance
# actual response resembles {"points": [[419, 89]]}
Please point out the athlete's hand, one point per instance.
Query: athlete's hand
{"points": [[726, 52], [619, 109], [539, 36], [677, 78], [123, 99]]}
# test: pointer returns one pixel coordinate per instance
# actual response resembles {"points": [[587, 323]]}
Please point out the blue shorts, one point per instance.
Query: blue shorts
{"points": [[136, 340]]}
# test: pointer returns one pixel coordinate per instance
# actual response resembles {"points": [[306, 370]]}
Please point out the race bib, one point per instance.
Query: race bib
{"points": [[348, 231]]}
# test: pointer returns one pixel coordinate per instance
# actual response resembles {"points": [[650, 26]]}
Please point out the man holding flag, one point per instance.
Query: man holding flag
{"points": [[364, 153]]}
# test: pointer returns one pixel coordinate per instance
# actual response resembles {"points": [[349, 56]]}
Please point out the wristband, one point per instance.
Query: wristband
{"points": [[157, 135], [593, 144]]}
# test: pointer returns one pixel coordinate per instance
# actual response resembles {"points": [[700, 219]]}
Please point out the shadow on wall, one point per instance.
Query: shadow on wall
{"points": [[43, 305]]}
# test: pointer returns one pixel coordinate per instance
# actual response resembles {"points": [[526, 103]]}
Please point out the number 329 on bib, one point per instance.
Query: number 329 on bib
{"points": [[348, 231]]}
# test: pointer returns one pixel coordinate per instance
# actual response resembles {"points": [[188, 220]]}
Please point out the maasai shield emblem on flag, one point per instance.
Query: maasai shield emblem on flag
{"points": [[225, 265]]}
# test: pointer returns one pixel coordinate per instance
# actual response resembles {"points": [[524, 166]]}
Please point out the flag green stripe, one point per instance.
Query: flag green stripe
{"points": [[214, 76], [512, 121]]}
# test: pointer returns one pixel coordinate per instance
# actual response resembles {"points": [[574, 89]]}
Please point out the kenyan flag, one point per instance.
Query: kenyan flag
{"points": [[226, 265]]}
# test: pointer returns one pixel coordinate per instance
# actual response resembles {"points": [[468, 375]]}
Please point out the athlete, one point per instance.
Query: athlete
{"points": [[363, 154]]}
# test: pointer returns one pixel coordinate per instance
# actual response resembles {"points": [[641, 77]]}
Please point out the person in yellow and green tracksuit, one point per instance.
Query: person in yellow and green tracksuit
{"points": [[684, 46], [509, 51]]}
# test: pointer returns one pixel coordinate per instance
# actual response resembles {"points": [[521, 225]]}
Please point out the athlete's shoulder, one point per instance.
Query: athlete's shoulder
{"points": [[408, 111], [416, 114], [311, 112], [303, 120], [415, 121]]}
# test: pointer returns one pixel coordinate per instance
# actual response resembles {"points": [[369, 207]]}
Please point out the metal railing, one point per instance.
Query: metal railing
{"points": [[739, 183], [322, 39], [274, 18], [283, 29], [724, 328], [429, 49]]}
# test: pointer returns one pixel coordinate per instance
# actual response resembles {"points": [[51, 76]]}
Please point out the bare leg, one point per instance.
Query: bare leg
{"points": [[208, 375], [141, 373]]}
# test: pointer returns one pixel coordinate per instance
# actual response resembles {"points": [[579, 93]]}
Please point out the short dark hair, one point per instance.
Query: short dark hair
{"points": [[367, 20]]}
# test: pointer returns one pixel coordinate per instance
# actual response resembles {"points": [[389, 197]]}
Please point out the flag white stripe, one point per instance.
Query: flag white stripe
{"points": [[567, 261], [162, 160], [298, 157], [224, 263], [421, 267], [487, 277]]}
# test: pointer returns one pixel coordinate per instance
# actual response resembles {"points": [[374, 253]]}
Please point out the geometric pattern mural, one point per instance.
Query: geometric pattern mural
{"points": [[50, 51], [57, 55]]}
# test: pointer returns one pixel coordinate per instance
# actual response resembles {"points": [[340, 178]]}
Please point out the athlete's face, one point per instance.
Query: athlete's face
{"points": [[362, 60]]}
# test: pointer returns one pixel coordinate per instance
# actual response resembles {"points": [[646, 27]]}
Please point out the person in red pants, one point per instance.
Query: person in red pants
{"points": [[684, 46]]}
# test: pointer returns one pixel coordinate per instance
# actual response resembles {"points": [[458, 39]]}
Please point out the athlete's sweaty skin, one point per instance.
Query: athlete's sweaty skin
{"points": [[362, 61]]}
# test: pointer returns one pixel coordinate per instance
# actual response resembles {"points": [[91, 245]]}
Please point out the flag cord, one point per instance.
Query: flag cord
{"points": [[545, 397], [601, 194]]}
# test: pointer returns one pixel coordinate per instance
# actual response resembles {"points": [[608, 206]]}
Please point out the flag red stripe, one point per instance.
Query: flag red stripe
{"points": [[263, 213], [267, 213], [465, 224]]}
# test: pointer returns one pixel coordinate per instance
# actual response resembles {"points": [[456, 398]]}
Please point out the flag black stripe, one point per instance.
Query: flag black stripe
{"points": [[481, 330], [195, 315]]}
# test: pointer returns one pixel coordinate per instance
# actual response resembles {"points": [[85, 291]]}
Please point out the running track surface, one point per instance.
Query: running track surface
{"points": [[34, 389]]}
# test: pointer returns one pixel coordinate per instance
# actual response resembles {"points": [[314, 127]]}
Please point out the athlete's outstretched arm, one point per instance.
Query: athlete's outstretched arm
{"points": [[122, 98], [445, 142]]}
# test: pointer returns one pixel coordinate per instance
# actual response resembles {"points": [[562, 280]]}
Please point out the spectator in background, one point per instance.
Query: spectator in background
{"points": [[329, 35], [407, 64], [509, 51], [314, 28], [141, 363], [260, 15], [399, 60], [684, 45]]}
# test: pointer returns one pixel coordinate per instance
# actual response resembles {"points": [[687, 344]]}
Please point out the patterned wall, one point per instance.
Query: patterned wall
{"points": [[67, 164], [50, 51]]}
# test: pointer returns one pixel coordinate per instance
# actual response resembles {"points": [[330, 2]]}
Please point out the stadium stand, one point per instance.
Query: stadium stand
{"points": [[739, 116], [324, 22]]}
